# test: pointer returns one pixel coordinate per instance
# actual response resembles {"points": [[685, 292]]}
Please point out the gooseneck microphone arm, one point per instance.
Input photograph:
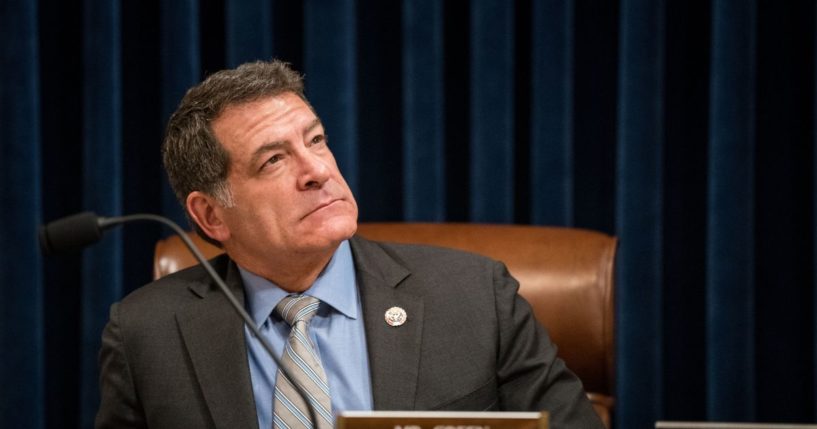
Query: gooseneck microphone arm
{"points": [[80, 230]]}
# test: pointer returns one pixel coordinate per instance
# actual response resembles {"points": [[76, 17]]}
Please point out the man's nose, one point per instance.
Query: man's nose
{"points": [[314, 171]]}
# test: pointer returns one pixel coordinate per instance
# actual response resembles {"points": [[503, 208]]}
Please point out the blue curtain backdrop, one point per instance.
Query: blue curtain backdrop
{"points": [[686, 128]]}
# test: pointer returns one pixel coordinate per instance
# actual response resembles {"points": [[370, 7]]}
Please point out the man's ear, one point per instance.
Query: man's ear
{"points": [[207, 213]]}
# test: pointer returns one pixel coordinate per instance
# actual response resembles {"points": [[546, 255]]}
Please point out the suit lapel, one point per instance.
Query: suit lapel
{"points": [[394, 351], [214, 335]]}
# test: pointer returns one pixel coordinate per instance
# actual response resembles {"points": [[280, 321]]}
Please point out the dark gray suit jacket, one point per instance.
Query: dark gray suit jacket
{"points": [[174, 355]]}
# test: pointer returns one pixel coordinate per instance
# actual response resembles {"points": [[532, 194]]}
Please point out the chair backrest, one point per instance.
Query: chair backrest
{"points": [[566, 274]]}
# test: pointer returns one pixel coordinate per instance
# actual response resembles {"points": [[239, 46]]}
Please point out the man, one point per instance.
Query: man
{"points": [[390, 327]]}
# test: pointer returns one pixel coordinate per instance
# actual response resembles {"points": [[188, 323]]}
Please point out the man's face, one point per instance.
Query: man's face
{"points": [[289, 196]]}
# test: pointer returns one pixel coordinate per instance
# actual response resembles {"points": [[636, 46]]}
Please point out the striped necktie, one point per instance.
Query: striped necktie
{"points": [[304, 366]]}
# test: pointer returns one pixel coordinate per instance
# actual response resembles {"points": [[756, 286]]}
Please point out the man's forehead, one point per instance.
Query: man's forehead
{"points": [[250, 117], [250, 129]]}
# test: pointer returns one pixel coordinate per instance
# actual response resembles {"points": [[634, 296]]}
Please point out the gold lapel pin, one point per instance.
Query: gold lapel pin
{"points": [[396, 316]]}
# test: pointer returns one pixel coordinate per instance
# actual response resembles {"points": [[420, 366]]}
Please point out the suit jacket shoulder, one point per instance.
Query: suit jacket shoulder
{"points": [[470, 341], [173, 355]]}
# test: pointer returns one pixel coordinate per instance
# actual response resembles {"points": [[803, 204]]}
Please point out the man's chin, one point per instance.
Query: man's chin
{"points": [[340, 231], [330, 233]]}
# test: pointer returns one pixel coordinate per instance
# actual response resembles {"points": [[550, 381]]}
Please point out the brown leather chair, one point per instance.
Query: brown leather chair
{"points": [[566, 274]]}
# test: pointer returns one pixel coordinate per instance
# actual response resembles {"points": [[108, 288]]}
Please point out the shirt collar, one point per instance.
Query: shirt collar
{"points": [[334, 286]]}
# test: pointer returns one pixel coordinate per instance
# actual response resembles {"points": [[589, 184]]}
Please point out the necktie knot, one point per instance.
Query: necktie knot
{"points": [[297, 308]]}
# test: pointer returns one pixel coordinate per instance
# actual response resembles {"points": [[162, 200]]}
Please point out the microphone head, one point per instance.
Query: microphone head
{"points": [[70, 233]]}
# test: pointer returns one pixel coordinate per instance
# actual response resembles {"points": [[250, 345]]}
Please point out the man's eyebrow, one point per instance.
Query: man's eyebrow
{"points": [[312, 125], [264, 148]]}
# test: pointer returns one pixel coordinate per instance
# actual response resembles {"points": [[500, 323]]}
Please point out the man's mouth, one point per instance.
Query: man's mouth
{"points": [[321, 207]]}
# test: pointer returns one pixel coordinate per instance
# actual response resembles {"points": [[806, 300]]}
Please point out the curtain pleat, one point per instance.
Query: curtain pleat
{"points": [[378, 70], [423, 107], [551, 142], [686, 129], [22, 369], [781, 176], [686, 109], [492, 111], [731, 204], [595, 83], [102, 281], [249, 30], [639, 211], [180, 62], [330, 63]]}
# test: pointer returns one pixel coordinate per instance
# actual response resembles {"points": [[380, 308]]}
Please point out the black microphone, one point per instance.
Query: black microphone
{"points": [[70, 233], [77, 231]]}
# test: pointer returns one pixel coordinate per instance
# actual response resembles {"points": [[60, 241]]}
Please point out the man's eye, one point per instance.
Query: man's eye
{"points": [[273, 159], [318, 139]]}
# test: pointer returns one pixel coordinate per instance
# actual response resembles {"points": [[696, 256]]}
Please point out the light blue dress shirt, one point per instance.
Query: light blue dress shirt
{"points": [[336, 330]]}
